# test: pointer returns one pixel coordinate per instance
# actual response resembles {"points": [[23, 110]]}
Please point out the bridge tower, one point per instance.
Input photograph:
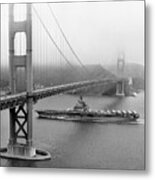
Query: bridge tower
{"points": [[20, 144], [120, 73]]}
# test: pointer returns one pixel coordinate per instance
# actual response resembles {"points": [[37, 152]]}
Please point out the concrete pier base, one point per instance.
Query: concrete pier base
{"points": [[20, 152], [120, 94]]}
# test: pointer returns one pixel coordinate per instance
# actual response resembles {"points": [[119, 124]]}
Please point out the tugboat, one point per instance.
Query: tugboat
{"points": [[82, 113]]}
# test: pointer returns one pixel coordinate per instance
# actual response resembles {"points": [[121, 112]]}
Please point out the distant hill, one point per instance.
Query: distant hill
{"points": [[131, 70], [50, 76], [47, 76], [99, 71], [136, 71], [95, 72]]}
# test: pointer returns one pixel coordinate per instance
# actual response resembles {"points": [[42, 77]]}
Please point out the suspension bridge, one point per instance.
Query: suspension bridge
{"points": [[20, 104]]}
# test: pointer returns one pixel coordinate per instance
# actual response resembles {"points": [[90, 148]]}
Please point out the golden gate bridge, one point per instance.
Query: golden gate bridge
{"points": [[20, 104]]}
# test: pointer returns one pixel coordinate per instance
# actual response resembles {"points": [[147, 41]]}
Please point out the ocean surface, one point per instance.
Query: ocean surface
{"points": [[85, 145]]}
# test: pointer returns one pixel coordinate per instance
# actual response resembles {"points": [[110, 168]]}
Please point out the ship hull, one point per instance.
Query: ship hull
{"points": [[86, 117]]}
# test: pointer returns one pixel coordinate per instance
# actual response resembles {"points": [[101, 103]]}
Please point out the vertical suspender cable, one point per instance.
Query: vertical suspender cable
{"points": [[63, 34], [51, 38]]}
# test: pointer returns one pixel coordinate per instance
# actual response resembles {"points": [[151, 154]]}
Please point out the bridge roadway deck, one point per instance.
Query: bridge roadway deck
{"points": [[11, 101]]}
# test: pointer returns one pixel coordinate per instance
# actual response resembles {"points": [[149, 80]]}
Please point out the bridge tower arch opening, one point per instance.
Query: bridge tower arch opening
{"points": [[120, 86], [20, 144]]}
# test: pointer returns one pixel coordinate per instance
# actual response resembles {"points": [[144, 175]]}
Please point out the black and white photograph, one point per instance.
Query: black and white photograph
{"points": [[72, 85]]}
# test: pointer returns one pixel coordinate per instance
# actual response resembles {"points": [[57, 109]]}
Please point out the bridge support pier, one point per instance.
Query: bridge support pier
{"points": [[19, 131], [20, 144], [120, 88]]}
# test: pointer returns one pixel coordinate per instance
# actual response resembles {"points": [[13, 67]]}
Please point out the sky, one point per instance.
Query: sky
{"points": [[99, 32]]}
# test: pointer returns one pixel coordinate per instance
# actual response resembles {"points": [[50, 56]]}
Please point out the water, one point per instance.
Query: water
{"points": [[85, 145]]}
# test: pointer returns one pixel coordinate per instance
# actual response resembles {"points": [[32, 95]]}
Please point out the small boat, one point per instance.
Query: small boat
{"points": [[82, 113]]}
